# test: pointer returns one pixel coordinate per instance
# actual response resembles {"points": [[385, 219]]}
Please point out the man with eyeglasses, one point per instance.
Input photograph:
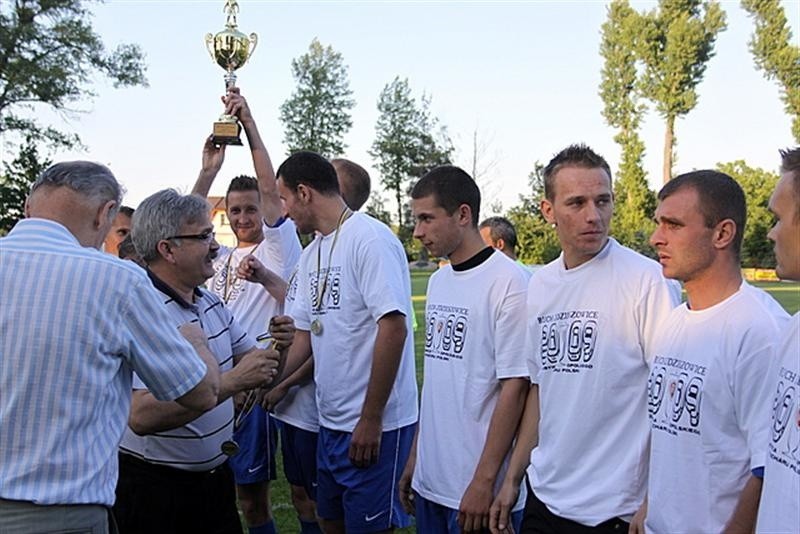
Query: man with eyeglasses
{"points": [[254, 210], [174, 474]]}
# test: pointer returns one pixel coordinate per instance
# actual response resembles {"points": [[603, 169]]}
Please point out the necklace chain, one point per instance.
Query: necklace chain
{"points": [[342, 218]]}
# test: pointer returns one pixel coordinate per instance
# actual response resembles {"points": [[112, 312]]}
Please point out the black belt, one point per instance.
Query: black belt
{"points": [[171, 473]]}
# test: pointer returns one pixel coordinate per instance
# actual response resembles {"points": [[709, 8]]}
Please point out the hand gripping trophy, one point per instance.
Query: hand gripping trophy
{"points": [[230, 49]]}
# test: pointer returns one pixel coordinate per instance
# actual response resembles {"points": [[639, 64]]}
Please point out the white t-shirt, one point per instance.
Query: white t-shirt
{"points": [[590, 329], [299, 407], [474, 337], [707, 398], [779, 510], [367, 278], [250, 303]]}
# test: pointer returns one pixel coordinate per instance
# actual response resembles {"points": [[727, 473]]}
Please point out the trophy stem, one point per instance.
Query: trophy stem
{"points": [[230, 79]]}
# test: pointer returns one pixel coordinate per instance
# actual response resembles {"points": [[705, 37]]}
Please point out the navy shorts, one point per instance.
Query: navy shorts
{"points": [[299, 449], [365, 498], [257, 437], [434, 517]]}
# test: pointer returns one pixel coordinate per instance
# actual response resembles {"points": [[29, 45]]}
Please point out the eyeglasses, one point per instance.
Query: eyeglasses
{"points": [[205, 237]]}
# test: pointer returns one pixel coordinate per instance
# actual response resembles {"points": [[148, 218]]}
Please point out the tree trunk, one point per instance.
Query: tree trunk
{"points": [[399, 197], [669, 140]]}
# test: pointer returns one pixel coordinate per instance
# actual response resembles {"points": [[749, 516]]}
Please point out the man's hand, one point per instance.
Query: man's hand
{"points": [[236, 105], [273, 397], [404, 486], [473, 512], [637, 523], [213, 157], [282, 329], [500, 511], [192, 333], [256, 368], [365, 443]]}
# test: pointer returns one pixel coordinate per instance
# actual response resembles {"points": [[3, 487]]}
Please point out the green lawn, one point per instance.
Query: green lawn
{"points": [[788, 294]]}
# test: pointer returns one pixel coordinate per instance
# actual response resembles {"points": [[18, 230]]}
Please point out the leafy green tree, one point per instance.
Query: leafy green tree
{"points": [[50, 56], [537, 242], [15, 183], [408, 143], [317, 115], [758, 185], [622, 109], [376, 207], [775, 54], [675, 42]]}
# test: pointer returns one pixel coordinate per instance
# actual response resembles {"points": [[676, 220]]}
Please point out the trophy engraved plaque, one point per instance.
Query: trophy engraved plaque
{"points": [[230, 49]]}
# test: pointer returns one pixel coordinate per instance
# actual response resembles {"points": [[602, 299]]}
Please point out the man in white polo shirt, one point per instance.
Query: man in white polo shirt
{"points": [[174, 474]]}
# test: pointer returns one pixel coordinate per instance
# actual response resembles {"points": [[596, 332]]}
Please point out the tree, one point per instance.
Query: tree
{"points": [[537, 242], [757, 184], [774, 53], [634, 201], [408, 143], [15, 183], [317, 115], [49, 55], [377, 209], [675, 43]]}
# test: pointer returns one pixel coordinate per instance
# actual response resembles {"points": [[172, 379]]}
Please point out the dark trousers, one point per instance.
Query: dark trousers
{"points": [[154, 498], [538, 519]]}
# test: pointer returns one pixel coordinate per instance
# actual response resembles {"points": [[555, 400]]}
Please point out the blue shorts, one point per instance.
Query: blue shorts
{"points": [[433, 517], [257, 437], [299, 449], [366, 498]]}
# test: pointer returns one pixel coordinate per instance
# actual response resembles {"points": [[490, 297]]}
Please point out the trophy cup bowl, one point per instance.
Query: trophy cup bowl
{"points": [[230, 49]]}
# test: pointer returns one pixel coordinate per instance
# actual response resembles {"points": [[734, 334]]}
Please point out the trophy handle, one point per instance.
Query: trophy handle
{"points": [[210, 46], [254, 42]]}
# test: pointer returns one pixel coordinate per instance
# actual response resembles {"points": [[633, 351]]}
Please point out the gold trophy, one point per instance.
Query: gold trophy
{"points": [[230, 49]]}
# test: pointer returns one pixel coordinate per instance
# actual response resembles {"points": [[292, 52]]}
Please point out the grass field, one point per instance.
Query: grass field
{"points": [[788, 294]]}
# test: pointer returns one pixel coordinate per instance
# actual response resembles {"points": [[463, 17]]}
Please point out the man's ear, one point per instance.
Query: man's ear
{"points": [[103, 214], [304, 193], [724, 233], [165, 251], [547, 211]]}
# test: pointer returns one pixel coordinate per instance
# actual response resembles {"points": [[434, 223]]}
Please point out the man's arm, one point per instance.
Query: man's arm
{"points": [[389, 343], [149, 415], [301, 376], [527, 439], [473, 513], [271, 205], [404, 485], [743, 519], [299, 352], [213, 156], [252, 270]]}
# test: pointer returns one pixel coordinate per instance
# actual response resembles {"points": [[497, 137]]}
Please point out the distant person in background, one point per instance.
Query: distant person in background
{"points": [[75, 322], [780, 497], [707, 396], [127, 251], [354, 182], [498, 232], [120, 229]]}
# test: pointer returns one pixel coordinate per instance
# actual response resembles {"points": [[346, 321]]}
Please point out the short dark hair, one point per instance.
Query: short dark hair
{"points": [[790, 164], [452, 187], [242, 183], [578, 155], [719, 198], [354, 182], [127, 211], [501, 228], [310, 169]]}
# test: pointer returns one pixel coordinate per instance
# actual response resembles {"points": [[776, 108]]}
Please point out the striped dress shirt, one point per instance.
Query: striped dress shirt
{"points": [[74, 324]]}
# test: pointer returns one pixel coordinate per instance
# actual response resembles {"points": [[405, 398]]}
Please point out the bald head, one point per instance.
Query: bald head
{"points": [[354, 182], [81, 195]]}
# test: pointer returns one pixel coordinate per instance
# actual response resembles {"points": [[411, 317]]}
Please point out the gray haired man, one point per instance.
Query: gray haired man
{"points": [[173, 460], [75, 322]]}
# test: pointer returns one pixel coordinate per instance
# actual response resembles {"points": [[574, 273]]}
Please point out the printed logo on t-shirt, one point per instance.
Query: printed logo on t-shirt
{"points": [[329, 283], [291, 290], [568, 340], [230, 291], [784, 447], [445, 331], [674, 394]]}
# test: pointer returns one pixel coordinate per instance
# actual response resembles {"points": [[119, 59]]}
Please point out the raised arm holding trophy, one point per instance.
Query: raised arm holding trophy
{"points": [[230, 49]]}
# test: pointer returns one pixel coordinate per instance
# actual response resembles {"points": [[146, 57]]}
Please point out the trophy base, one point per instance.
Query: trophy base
{"points": [[226, 133]]}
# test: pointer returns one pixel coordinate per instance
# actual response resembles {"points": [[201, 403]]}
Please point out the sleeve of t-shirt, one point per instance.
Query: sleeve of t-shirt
{"points": [[510, 331], [532, 336], [752, 390], [384, 277], [280, 250], [164, 362], [660, 297]]}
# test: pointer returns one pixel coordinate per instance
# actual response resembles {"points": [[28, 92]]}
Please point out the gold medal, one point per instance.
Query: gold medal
{"points": [[316, 327], [229, 447]]}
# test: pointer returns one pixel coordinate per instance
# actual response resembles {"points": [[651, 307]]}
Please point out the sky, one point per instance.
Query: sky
{"points": [[524, 75]]}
